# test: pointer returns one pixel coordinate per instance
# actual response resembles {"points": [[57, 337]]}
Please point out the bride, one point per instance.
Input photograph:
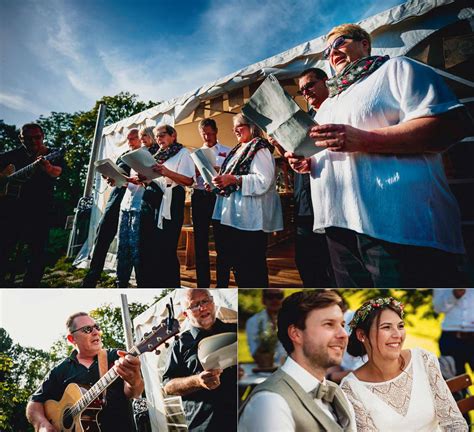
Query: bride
{"points": [[397, 389]]}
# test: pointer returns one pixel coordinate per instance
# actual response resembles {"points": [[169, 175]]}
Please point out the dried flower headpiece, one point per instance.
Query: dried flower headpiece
{"points": [[379, 303]]}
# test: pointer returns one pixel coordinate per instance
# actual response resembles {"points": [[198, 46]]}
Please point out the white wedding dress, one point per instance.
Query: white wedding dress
{"points": [[416, 400]]}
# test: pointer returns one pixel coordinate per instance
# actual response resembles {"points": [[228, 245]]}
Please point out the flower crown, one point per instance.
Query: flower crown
{"points": [[379, 303]]}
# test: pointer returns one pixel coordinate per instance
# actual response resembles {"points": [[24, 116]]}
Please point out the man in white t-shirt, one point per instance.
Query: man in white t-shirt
{"points": [[379, 183], [202, 205], [297, 397]]}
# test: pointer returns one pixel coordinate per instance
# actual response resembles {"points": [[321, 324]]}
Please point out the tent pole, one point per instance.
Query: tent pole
{"points": [[99, 126], [127, 322]]}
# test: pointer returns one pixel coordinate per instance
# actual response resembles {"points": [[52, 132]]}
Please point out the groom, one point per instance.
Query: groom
{"points": [[297, 397]]}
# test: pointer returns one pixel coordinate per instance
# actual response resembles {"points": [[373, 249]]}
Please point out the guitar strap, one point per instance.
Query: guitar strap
{"points": [[103, 366]]}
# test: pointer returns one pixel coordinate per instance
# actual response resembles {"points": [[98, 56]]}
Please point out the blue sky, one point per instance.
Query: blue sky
{"points": [[63, 55]]}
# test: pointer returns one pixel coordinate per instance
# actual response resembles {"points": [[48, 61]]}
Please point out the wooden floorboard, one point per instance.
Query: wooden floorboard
{"points": [[281, 268]]}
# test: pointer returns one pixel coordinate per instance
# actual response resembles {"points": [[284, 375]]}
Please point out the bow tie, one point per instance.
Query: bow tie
{"points": [[323, 392]]}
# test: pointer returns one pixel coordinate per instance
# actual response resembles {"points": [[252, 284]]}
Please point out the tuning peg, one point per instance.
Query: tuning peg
{"points": [[167, 345], [154, 328], [157, 352], [147, 334]]}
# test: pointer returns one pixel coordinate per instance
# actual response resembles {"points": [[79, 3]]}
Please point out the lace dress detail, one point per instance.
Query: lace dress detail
{"points": [[447, 412], [397, 392], [364, 421]]}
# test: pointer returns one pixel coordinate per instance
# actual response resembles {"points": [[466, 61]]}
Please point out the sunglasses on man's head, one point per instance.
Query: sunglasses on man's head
{"points": [[274, 296], [337, 43], [87, 329]]}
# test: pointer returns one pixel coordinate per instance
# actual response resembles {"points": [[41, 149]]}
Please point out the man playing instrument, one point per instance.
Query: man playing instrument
{"points": [[24, 215], [82, 367]]}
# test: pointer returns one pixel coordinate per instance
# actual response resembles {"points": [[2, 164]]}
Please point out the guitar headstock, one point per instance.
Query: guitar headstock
{"points": [[158, 336]]}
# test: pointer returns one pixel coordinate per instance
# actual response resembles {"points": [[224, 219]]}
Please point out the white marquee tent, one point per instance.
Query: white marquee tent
{"points": [[435, 32]]}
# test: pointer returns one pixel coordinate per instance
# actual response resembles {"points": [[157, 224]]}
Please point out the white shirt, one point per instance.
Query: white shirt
{"points": [[221, 152], [402, 199], [256, 205], [269, 412], [132, 199], [253, 326], [180, 163], [458, 313]]}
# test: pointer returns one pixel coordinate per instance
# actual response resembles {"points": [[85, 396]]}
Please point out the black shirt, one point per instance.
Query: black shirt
{"points": [[302, 194], [115, 414], [206, 410], [36, 194]]}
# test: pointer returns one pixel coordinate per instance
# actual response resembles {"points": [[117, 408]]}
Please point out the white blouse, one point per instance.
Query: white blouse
{"points": [[180, 163], [132, 199], [416, 400], [402, 199], [256, 205]]}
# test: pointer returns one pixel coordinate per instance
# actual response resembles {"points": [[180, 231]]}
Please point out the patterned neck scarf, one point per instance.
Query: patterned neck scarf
{"points": [[162, 155], [153, 148], [353, 72], [241, 166]]}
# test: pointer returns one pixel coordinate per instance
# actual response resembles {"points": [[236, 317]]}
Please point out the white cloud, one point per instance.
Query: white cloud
{"points": [[19, 103]]}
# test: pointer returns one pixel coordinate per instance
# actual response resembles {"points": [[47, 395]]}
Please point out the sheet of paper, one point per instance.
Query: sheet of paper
{"points": [[109, 168], [204, 165], [141, 161], [218, 351], [274, 111]]}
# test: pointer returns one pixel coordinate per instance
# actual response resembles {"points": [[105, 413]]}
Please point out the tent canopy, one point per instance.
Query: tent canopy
{"points": [[432, 31]]}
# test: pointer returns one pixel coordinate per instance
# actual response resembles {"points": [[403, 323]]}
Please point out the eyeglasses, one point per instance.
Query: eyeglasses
{"points": [[203, 303], [337, 43], [273, 296], [306, 87], [87, 329]]}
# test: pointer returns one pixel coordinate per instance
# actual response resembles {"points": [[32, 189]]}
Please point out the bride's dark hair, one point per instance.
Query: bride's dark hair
{"points": [[364, 317]]}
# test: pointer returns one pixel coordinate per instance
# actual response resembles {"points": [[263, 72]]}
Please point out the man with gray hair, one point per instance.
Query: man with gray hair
{"points": [[209, 397]]}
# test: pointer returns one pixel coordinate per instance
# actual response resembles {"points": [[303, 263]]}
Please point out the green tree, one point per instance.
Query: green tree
{"points": [[8, 137]]}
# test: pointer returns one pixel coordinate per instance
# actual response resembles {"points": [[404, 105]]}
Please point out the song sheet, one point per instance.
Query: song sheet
{"points": [[274, 111], [218, 351], [141, 161], [110, 169]]}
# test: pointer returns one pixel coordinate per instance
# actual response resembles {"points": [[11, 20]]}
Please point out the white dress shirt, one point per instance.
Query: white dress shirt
{"points": [[269, 412], [132, 199], [458, 313], [221, 151], [256, 205]]}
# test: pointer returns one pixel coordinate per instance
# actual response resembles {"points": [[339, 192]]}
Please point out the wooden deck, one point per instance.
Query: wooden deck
{"points": [[281, 268]]}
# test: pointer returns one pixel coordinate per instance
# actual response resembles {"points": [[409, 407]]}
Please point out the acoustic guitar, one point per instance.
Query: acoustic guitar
{"points": [[11, 181], [79, 407]]}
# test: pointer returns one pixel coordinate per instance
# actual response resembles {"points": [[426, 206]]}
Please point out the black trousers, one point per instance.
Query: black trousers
{"points": [[246, 253], [362, 261], [202, 208], [460, 347], [158, 246], [33, 233], [312, 255], [105, 234]]}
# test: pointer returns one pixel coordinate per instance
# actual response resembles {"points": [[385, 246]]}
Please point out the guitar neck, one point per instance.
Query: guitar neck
{"points": [[94, 392]]}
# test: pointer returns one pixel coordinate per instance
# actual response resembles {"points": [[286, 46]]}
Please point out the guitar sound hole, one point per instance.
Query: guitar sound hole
{"points": [[67, 419]]}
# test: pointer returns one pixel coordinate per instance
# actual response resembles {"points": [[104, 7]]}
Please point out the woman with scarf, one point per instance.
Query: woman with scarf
{"points": [[397, 389], [248, 206], [162, 211], [379, 188]]}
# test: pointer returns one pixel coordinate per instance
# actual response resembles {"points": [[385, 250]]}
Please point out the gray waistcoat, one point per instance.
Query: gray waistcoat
{"points": [[306, 414]]}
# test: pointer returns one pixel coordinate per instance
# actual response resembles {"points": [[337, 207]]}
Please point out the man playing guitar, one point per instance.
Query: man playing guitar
{"points": [[24, 213], [82, 367]]}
